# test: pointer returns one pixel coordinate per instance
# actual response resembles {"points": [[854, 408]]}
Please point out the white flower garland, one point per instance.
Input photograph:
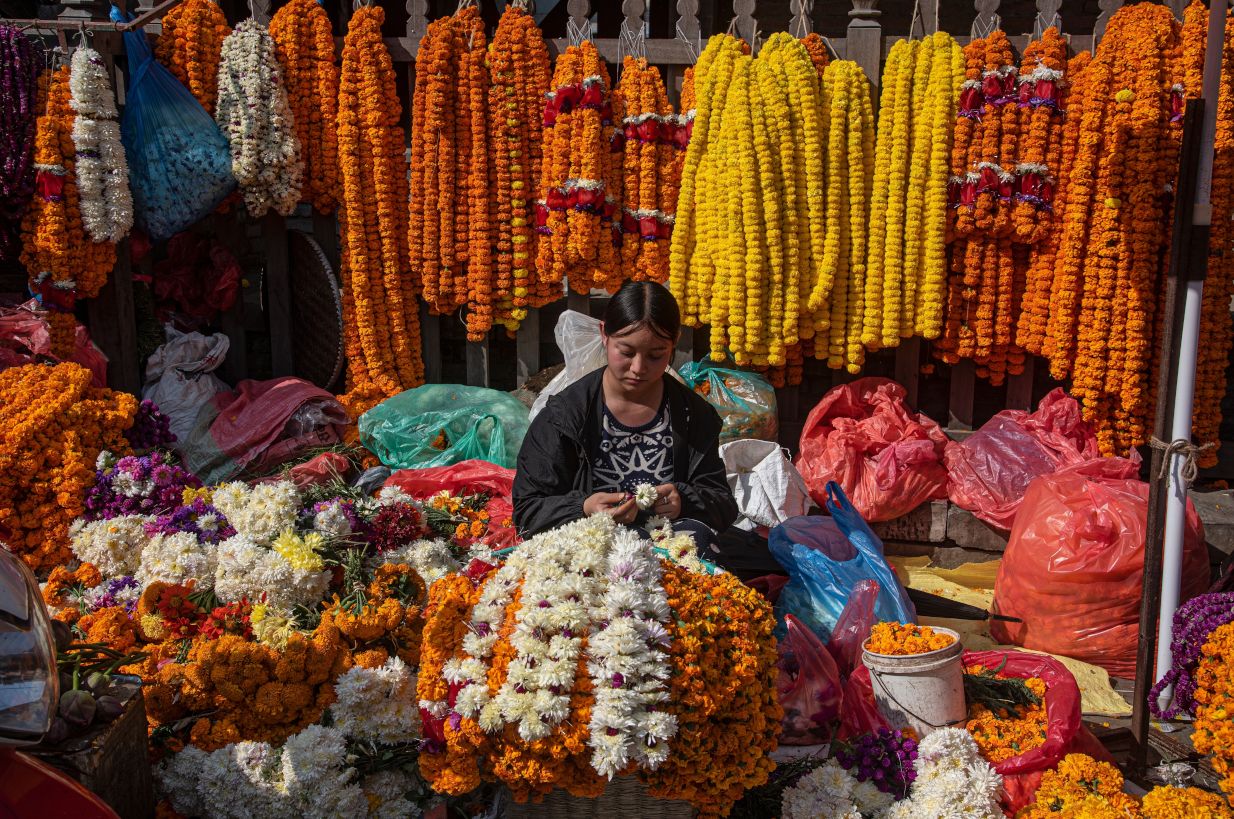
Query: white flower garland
{"points": [[262, 512], [562, 586], [101, 169], [628, 667], [682, 550], [254, 113], [177, 558]]}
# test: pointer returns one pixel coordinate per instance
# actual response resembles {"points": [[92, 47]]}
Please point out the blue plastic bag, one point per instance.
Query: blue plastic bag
{"points": [[442, 424], [746, 401], [827, 557], [179, 160]]}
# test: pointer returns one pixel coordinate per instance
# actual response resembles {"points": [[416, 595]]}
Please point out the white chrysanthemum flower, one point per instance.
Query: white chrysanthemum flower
{"points": [[177, 558], [645, 496], [378, 704], [386, 792], [869, 799], [332, 521], [114, 545], [176, 778], [312, 757], [431, 559], [261, 513], [247, 571], [820, 794]]}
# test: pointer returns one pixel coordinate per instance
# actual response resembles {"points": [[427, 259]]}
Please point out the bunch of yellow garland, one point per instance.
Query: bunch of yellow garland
{"points": [[381, 318]]}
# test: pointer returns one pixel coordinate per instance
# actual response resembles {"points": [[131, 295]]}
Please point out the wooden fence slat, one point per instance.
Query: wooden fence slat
{"points": [[787, 402], [477, 362], [430, 344], [747, 27], [579, 302], [960, 407], [325, 234], [1020, 387], [685, 348], [864, 44], [528, 343], [908, 368], [278, 289], [235, 366], [113, 324]]}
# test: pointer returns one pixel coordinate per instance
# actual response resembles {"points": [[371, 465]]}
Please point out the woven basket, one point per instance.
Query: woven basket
{"points": [[624, 798], [316, 312]]}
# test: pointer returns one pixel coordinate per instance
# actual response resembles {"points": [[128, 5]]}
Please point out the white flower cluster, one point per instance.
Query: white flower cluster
{"points": [[487, 618], [332, 521], [431, 559], [100, 167], [114, 546], [254, 113], [952, 780], [378, 704], [262, 512], [830, 792], [248, 570], [308, 777], [562, 586], [177, 558], [628, 664], [681, 548], [645, 496]]}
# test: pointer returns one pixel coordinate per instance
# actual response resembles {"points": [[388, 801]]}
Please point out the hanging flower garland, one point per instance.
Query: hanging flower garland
{"points": [[101, 169], [383, 349], [19, 71], [254, 113], [304, 45], [190, 46]]}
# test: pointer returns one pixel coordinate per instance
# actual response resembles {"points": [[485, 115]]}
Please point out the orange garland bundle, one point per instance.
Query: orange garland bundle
{"points": [[818, 51], [55, 425], [304, 44], [1041, 123], [190, 45], [381, 317], [62, 261]]}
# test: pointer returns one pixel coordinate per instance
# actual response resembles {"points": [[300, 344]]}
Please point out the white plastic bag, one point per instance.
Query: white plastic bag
{"points": [[768, 488], [180, 377], [578, 338]]}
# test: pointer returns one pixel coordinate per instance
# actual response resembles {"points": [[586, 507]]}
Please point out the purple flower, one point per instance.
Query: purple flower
{"points": [[1194, 621]]}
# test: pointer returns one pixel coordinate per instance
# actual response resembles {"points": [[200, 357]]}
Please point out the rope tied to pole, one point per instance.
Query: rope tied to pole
{"points": [[1189, 452]]}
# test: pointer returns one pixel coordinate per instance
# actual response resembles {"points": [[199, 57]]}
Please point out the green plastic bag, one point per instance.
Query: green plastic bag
{"points": [[746, 401], [442, 424]]}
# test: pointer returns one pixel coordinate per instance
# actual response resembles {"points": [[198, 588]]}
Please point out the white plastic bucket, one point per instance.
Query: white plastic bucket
{"points": [[924, 692]]}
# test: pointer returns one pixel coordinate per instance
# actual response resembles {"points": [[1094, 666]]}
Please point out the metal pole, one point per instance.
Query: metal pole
{"points": [[1189, 343]]}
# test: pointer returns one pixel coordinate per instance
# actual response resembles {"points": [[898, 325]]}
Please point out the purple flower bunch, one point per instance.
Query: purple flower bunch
{"points": [[110, 595], [202, 519], [1193, 622], [882, 757], [151, 428], [19, 71], [137, 486]]}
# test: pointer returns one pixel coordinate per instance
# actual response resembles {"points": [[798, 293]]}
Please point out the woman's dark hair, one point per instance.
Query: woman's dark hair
{"points": [[643, 304]]}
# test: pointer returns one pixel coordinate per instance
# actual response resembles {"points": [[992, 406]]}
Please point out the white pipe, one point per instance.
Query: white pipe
{"points": [[1189, 344]]}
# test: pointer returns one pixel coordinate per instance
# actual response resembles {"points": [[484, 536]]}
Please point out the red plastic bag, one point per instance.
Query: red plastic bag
{"points": [[989, 472], [465, 477], [859, 712], [808, 684], [862, 436], [854, 626], [1074, 565], [320, 470], [252, 420], [198, 277], [25, 335], [1065, 732]]}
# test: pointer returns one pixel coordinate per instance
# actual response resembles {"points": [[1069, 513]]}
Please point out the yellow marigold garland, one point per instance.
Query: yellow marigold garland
{"points": [[1082, 787]]}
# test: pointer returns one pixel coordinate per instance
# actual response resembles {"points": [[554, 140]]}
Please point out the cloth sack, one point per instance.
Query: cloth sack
{"points": [[768, 488], [180, 377]]}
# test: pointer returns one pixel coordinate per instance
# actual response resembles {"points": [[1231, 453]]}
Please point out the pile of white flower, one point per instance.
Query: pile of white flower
{"points": [[830, 792], [113, 545], [311, 775]]}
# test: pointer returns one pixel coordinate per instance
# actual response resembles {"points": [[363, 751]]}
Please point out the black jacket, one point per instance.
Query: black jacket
{"points": [[554, 474]]}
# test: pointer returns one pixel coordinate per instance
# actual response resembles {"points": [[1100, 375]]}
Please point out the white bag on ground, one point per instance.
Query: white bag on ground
{"points": [[578, 338], [180, 377], [768, 488]]}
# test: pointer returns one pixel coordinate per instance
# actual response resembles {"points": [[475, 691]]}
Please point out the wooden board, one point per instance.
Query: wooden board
{"points": [[278, 289]]}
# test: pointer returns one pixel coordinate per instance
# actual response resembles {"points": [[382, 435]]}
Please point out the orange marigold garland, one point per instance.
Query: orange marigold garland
{"points": [[304, 44], [818, 52], [1041, 121], [379, 299], [190, 45], [62, 262]]}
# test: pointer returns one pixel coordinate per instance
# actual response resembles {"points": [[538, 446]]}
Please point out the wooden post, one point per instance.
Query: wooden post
{"points": [[685, 348], [430, 344], [908, 368], [787, 399], [1108, 7], [278, 290], [801, 24], [1020, 387], [235, 366], [747, 27], [927, 24], [960, 407], [528, 342], [113, 324], [1047, 17], [477, 362], [865, 41], [579, 302], [987, 19]]}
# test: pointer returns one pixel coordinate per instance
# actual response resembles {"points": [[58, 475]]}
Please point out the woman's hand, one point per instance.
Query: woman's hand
{"points": [[618, 504], [668, 505]]}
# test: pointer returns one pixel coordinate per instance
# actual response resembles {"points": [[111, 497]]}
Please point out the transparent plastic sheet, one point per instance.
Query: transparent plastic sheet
{"points": [[1074, 565], [808, 685], [746, 401], [863, 436], [179, 160], [853, 626], [578, 337], [306, 420], [442, 424], [989, 472], [1065, 731], [826, 557]]}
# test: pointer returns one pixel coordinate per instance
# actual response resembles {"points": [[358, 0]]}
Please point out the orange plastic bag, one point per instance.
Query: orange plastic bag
{"points": [[863, 437], [989, 472], [1075, 561], [1065, 732]]}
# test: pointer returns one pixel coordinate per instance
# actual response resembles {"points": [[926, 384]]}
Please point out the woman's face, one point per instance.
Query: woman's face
{"points": [[637, 359]]}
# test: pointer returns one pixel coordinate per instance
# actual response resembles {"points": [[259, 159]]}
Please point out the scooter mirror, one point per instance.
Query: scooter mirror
{"points": [[29, 683]]}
